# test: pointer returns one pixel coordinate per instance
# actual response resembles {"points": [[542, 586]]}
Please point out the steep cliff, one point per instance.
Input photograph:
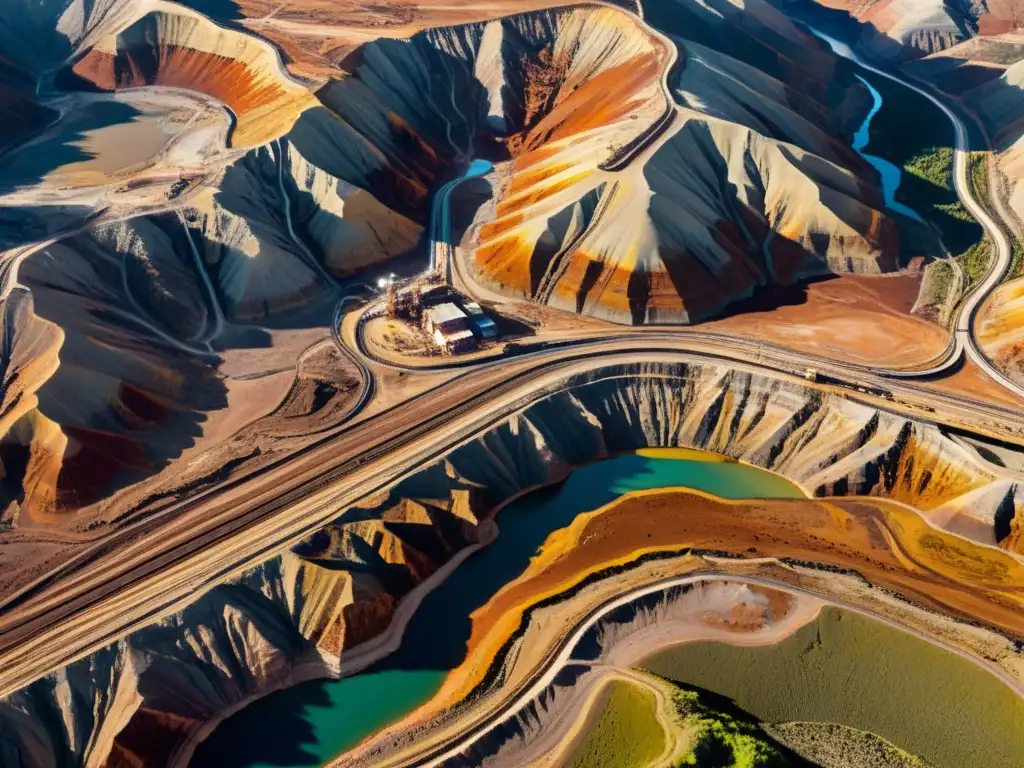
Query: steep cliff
{"points": [[900, 30], [633, 193], [739, 181], [150, 311], [753, 183], [173, 46], [302, 612], [1001, 328]]}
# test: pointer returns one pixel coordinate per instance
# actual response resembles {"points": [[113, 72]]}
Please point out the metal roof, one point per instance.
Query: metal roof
{"points": [[445, 313]]}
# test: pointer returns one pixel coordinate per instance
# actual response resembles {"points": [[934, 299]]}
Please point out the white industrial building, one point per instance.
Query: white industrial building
{"points": [[449, 327]]}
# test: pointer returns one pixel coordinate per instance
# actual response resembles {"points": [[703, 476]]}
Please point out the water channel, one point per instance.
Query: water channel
{"points": [[889, 173], [311, 723]]}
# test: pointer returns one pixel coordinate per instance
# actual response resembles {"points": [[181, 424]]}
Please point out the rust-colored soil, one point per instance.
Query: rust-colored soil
{"points": [[971, 381], [854, 318], [890, 545], [317, 34]]}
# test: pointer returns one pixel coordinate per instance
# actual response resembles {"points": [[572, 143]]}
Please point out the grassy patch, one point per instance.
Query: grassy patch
{"points": [[724, 735], [975, 260], [627, 735], [927, 187], [943, 278], [934, 165], [828, 744], [929, 177], [847, 669], [1017, 265], [978, 174], [914, 134]]}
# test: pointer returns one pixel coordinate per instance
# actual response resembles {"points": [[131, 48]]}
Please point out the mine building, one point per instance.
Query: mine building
{"points": [[483, 326], [450, 328], [410, 301], [432, 294]]}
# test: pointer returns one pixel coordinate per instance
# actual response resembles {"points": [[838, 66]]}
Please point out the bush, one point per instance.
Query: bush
{"points": [[848, 669]]}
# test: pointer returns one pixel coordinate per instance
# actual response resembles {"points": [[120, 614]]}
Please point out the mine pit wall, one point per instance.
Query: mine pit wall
{"points": [[148, 696]]}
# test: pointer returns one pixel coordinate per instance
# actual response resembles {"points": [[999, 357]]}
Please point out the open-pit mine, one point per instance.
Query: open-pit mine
{"points": [[599, 384]]}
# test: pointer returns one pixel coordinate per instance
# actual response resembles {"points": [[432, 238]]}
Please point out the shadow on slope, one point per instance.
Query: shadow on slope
{"points": [[64, 144]]}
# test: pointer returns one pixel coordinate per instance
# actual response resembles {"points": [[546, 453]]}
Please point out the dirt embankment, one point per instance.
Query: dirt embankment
{"points": [[889, 545], [333, 593], [731, 611]]}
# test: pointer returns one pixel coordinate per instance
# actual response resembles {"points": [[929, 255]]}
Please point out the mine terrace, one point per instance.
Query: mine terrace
{"points": [[416, 383]]}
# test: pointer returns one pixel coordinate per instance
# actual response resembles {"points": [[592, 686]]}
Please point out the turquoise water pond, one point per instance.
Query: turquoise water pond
{"points": [[311, 723]]}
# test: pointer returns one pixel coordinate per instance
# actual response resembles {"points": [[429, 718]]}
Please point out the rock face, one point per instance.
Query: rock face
{"points": [[146, 311], [302, 612], [1000, 104], [1001, 326], [178, 326], [736, 182], [900, 30], [178, 48], [32, 444]]}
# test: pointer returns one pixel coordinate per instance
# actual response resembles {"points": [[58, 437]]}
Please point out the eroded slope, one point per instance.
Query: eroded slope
{"points": [[333, 597]]}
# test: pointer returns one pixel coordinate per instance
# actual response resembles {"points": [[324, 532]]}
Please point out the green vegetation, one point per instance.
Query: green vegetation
{"points": [[723, 735], [943, 278], [928, 178], [628, 734], [935, 165], [848, 669], [927, 187], [975, 260], [913, 134], [836, 746], [978, 174], [1017, 265]]}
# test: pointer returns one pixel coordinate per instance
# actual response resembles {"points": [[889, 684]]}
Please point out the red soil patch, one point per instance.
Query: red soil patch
{"points": [[971, 381], [91, 463], [842, 533], [990, 25], [891, 546], [228, 80], [852, 318]]}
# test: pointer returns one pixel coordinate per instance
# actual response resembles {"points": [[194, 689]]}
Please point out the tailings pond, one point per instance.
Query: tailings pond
{"points": [[311, 723], [869, 675]]}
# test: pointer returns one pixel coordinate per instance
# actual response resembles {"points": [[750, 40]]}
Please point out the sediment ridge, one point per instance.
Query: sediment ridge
{"points": [[332, 596]]}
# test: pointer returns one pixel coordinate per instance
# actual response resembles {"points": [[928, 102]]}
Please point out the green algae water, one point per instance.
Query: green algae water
{"points": [[311, 723], [862, 673]]}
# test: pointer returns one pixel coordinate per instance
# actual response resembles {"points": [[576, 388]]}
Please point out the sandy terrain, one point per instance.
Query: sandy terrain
{"points": [[317, 35], [550, 625], [396, 343], [1001, 324], [161, 354], [864, 320], [588, 712], [732, 612]]}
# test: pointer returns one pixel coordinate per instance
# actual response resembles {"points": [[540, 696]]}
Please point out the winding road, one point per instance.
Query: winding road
{"points": [[151, 569], [965, 340], [562, 655]]}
